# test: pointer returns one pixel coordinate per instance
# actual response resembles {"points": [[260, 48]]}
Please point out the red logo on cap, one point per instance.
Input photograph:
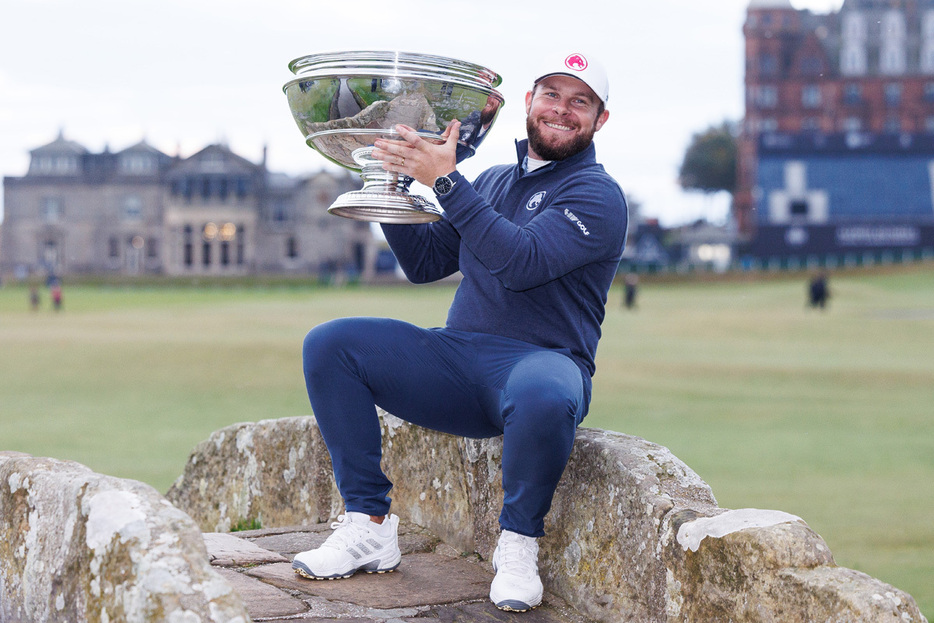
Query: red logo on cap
{"points": [[576, 62]]}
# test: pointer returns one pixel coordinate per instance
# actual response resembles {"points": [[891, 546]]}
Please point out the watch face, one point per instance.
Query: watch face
{"points": [[443, 185]]}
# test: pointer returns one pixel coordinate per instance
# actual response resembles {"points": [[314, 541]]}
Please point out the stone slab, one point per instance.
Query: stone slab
{"points": [[421, 579], [486, 612], [412, 539], [227, 550], [263, 600]]}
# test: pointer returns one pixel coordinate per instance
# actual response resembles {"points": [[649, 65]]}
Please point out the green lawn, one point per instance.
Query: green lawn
{"points": [[826, 415]]}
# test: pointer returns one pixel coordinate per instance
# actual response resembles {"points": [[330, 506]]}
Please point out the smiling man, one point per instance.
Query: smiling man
{"points": [[538, 244]]}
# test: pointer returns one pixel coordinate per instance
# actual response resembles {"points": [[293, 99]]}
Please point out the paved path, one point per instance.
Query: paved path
{"points": [[434, 583]]}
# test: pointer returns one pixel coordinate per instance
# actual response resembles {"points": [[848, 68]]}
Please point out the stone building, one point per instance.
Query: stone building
{"points": [[140, 211], [836, 153]]}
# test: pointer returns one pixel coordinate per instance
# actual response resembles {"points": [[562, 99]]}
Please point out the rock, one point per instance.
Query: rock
{"points": [[634, 534], [79, 546], [275, 473], [781, 573]]}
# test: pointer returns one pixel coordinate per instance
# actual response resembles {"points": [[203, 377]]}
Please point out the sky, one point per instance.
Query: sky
{"points": [[183, 74]]}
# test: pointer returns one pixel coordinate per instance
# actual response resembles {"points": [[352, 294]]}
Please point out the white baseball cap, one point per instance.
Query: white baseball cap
{"points": [[584, 67]]}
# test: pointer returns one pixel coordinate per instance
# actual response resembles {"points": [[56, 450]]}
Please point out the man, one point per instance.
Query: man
{"points": [[538, 244]]}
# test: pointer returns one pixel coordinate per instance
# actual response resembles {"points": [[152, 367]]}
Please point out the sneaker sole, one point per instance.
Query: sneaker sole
{"points": [[307, 573], [510, 605]]}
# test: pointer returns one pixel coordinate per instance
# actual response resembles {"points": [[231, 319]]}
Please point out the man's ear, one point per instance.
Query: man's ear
{"points": [[601, 120], [528, 102]]}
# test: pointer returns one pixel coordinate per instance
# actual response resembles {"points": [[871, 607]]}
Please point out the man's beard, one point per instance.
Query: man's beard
{"points": [[560, 151]]}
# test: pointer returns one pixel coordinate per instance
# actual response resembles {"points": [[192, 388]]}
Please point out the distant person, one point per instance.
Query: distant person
{"points": [[56, 292], [630, 288], [818, 291], [34, 299]]}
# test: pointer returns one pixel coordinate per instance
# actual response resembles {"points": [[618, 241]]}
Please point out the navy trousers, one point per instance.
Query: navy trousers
{"points": [[468, 384]]}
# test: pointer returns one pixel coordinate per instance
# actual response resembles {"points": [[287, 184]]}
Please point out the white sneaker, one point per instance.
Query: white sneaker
{"points": [[356, 544], [516, 587]]}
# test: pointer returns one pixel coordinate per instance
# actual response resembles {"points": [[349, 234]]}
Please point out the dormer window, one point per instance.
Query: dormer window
{"points": [[137, 164], [59, 164]]}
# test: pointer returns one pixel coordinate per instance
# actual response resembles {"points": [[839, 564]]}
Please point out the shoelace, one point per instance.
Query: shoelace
{"points": [[518, 555], [346, 532]]}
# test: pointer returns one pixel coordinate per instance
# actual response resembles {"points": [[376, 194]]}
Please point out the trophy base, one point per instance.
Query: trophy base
{"points": [[387, 206]]}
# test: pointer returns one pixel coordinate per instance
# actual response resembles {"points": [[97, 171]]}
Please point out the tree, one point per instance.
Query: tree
{"points": [[710, 160]]}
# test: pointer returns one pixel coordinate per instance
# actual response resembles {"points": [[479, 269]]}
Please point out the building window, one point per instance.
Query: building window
{"points": [[225, 253], [853, 60], [768, 124], [55, 165], [240, 246], [852, 94], [50, 256], [132, 208], [893, 26], [765, 96], [893, 125], [893, 94], [810, 124], [188, 246], [852, 124], [768, 65], [929, 125], [892, 61], [51, 209], [854, 26], [280, 211], [811, 96], [929, 92], [152, 251], [243, 186], [206, 253], [927, 57], [291, 248], [113, 246], [137, 164]]}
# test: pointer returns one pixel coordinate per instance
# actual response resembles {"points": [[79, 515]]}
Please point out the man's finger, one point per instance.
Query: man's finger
{"points": [[452, 133]]}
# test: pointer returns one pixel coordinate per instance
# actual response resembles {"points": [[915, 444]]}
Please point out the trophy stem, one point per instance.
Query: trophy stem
{"points": [[385, 196], [375, 176]]}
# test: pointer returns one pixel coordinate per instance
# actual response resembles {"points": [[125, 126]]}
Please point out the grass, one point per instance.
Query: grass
{"points": [[829, 415]]}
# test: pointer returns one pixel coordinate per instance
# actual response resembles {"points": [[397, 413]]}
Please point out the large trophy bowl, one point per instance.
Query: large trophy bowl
{"points": [[344, 101]]}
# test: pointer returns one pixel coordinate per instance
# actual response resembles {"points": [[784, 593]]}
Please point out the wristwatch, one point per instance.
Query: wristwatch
{"points": [[443, 185]]}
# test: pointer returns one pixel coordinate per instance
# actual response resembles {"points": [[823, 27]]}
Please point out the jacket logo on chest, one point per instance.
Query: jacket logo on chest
{"points": [[535, 201]]}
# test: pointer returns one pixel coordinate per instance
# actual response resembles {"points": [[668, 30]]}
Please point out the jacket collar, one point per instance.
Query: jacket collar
{"points": [[587, 156]]}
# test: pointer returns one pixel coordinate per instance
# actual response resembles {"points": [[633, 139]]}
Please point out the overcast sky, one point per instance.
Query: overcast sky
{"points": [[183, 74]]}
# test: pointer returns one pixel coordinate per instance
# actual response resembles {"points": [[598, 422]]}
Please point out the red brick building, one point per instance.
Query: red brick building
{"points": [[828, 91]]}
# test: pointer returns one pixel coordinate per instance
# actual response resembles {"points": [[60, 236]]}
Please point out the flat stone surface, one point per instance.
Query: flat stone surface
{"points": [[227, 550], [411, 539], [421, 579], [261, 599], [435, 583], [486, 612]]}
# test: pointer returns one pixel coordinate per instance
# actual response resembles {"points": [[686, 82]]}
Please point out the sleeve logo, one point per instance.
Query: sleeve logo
{"points": [[573, 218]]}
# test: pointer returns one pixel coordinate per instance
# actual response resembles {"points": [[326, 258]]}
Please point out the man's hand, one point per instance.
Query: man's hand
{"points": [[418, 158]]}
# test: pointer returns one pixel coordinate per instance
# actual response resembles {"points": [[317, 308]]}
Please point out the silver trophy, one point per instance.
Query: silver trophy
{"points": [[344, 101]]}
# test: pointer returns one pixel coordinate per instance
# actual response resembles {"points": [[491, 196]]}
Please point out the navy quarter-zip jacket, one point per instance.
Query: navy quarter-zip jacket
{"points": [[538, 252]]}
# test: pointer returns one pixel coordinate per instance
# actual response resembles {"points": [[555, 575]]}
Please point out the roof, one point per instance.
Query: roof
{"points": [[770, 4], [142, 146], [61, 146]]}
